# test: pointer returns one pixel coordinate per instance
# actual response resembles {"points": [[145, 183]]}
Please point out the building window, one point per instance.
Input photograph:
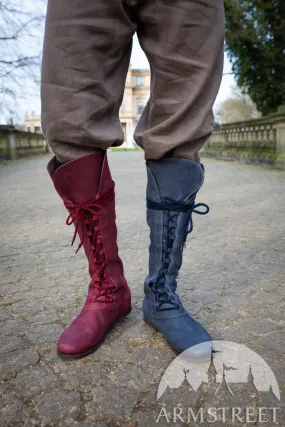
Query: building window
{"points": [[140, 107], [123, 110], [29, 129], [37, 128], [140, 80]]}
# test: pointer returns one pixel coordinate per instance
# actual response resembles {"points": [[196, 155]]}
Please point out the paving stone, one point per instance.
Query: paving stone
{"points": [[111, 402], [139, 378], [155, 358], [44, 333], [278, 368], [71, 423], [112, 350], [4, 315], [13, 288], [9, 344], [13, 326], [275, 340], [19, 359], [11, 410], [35, 294], [7, 253], [267, 297], [44, 317], [255, 326], [139, 333], [234, 303], [27, 307], [10, 278], [149, 418], [275, 313], [56, 303], [270, 355], [218, 317], [45, 284], [59, 404], [192, 307], [34, 381], [202, 298], [9, 299], [85, 374]]}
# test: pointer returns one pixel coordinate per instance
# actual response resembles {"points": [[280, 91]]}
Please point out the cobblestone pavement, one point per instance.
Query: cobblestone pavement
{"points": [[232, 280]]}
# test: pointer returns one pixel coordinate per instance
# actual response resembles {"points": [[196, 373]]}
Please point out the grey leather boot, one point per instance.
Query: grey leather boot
{"points": [[171, 191]]}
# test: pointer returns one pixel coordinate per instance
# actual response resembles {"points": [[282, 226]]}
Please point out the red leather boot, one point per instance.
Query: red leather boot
{"points": [[87, 190]]}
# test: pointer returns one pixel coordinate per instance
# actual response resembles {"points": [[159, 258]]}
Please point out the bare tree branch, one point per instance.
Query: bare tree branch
{"points": [[22, 28], [21, 31], [20, 62]]}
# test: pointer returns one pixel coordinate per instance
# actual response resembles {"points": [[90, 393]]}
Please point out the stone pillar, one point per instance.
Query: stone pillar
{"points": [[47, 148], [280, 139], [280, 145], [11, 146], [129, 132]]}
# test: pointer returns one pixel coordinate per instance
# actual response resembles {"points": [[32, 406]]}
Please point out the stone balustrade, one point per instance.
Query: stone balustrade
{"points": [[15, 143], [260, 141]]}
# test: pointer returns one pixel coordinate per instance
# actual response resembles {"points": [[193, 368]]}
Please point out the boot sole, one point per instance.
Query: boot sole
{"points": [[66, 356]]}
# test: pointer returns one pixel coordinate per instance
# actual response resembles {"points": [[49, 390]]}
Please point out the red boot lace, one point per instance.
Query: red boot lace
{"points": [[89, 214]]}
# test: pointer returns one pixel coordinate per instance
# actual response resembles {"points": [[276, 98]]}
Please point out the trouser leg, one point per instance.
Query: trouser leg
{"points": [[183, 40], [86, 56]]}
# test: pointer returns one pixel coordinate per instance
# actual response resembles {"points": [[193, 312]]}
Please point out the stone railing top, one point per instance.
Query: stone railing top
{"points": [[7, 129], [277, 117]]}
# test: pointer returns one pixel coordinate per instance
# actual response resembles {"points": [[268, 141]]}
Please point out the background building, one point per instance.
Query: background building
{"points": [[135, 98], [33, 122]]}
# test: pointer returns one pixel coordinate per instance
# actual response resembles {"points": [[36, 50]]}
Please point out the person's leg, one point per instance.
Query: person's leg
{"points": [[86, 57], [184, 43], [183, 40]]}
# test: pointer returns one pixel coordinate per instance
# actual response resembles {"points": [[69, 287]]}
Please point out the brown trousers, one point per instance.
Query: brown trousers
{"points": [[86, 57]]}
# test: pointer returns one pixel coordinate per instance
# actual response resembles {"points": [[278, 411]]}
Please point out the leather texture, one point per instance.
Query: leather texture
{"points": [[87, 190], [171, 181]]}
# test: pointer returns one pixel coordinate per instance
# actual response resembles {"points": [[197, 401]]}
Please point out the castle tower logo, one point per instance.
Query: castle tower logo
{"points": [[233, 385]]}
